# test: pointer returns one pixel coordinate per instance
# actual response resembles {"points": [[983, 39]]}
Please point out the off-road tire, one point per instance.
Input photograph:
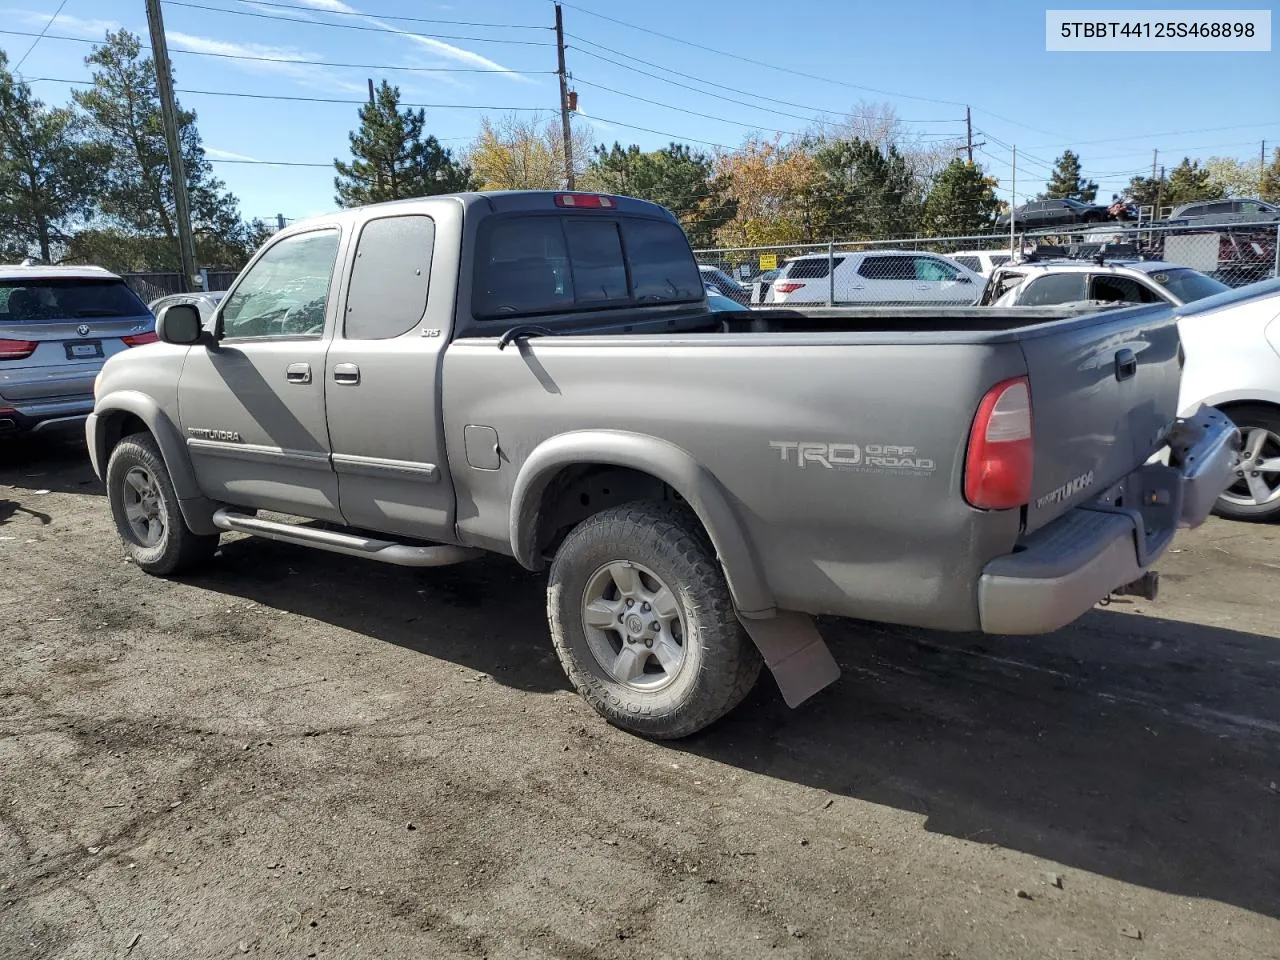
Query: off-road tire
{"points": [[179, 549], [721, 662]]}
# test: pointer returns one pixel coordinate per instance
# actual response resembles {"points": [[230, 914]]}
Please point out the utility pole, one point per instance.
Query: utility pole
{"points": [[1013, 203], [1154, 155], [1262, 167], [566, 131], [169, 118], [1159, 194], [968, 133]]}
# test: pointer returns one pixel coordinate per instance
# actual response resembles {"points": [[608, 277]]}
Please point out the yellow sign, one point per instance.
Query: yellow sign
{"points": [[768, 261]]}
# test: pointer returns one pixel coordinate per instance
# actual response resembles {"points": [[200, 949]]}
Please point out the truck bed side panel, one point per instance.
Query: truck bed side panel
{"points": [[844, 463]]}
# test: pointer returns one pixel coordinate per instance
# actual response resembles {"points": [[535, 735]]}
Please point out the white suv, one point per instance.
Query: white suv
{"points": [[883, 276], [1033, 283]]}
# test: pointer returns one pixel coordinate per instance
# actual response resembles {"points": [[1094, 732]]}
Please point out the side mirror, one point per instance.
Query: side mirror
{"points": [[179, 323]]}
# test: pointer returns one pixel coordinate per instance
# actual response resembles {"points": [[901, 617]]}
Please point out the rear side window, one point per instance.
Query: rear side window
{"points": [[389, 282], [973, 263], [56, 298], [814, 269], [1122, 290], [549, 264], [1053, 289], [888, 268], [927, 268]]}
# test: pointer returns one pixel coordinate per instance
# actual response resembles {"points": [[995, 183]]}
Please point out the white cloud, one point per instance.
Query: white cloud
{"points": [[446, 50], [217, 154], [280, 61], [65, 23]]}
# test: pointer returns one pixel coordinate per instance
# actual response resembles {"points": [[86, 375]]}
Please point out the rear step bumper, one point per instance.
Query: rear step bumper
{"points": [[1108, 545], [353, 545]]}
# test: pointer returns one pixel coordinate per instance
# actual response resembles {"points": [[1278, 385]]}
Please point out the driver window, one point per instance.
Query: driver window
{"points": [[284, 294]]}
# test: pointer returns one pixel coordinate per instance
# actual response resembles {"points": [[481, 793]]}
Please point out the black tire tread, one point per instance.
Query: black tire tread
{"points": [[183, 549], [726, 678]]}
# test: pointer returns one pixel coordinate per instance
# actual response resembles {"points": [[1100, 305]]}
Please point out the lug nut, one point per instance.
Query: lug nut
{"points": [[649, 642], [655, 626], [630, 602], [645, 606]]}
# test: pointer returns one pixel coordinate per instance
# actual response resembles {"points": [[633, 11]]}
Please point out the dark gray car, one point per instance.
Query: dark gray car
{"points": [[57, 327]]}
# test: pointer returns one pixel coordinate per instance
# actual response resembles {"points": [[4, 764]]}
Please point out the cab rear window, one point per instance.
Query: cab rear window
{"points": [[37, 300], [533, 265]]}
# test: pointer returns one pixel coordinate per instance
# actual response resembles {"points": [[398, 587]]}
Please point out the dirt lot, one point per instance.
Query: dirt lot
{"points": [[297, 755]]}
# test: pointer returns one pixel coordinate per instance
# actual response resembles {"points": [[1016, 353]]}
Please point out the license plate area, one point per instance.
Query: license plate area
{"points": [[83, 349]]}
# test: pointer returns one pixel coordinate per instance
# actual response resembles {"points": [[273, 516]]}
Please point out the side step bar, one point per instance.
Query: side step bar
{"points": [[354, 545]]}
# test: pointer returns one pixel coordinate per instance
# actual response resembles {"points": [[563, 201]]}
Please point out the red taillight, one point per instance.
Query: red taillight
{"points": [[787, 287], [997, 470], [139, 339], [16, 349], [584, 200]]}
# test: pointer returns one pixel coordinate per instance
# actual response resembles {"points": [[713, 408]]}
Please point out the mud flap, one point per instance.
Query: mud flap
{"points": [[795, 653]]}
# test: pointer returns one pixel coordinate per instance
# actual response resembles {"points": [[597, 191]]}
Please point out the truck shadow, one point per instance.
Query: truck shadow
{"points": [[1126, 746], [56, 463], [488, 615], [1132, 747]]}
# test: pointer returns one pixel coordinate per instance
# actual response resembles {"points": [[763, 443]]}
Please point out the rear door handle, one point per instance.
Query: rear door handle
{"points": [[346, 373], [298, 373]]}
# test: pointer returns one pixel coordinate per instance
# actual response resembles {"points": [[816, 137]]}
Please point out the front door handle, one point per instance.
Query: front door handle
{"points": [[346, 373], [298, 373], [1126, 364]]}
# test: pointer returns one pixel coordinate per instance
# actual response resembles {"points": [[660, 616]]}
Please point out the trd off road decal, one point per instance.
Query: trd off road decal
{"points": [[860, 458]]}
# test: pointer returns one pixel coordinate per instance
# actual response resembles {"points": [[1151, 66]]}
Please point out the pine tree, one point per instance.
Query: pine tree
{"points": [[1066, 183], [391, 160], [961, 201], [121, 115], [48, 176]]}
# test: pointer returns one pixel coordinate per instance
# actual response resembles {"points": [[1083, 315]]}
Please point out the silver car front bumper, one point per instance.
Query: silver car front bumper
{"points": [[1063, 569]]}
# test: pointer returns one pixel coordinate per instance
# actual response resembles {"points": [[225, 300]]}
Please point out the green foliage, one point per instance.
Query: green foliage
{"points": [[48, 176], [864, 190], [1066, 182], [392, 160], [962, 201], [1269, 189], [122, 117], [679, 178], [1186, 183]]}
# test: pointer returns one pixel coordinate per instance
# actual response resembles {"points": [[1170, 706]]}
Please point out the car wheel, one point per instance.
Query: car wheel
{"points": [[643, 623], [145, 507], [1255, 494]]}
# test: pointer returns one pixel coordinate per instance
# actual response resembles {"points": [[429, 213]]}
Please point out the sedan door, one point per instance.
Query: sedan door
{"points": [[252, 406]]}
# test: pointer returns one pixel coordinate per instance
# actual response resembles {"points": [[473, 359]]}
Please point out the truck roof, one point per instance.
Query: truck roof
{"points": [[1092, 266], [498, 201], [46, 271]]}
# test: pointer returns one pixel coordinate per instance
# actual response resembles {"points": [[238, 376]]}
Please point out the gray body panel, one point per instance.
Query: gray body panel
{"points": [[823, 450]]}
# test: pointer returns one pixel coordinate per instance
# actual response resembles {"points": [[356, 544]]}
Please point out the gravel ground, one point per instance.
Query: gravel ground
{"points": [[295, 754]]}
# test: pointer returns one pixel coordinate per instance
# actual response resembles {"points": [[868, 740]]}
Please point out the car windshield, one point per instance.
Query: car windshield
{"points": [[1188, 285], [41, 299], [1071, 202]]}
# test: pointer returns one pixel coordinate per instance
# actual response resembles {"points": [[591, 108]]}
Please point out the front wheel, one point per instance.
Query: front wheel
{"points": [[1255, 494], [145, 507], [643, 622]]}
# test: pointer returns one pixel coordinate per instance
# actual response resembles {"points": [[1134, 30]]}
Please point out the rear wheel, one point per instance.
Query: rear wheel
{"points": [[643, 623], [145, 507], [1255, 493]]}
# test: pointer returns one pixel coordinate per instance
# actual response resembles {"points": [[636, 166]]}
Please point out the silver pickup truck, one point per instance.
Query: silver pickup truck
{"points": [[538, 375]]}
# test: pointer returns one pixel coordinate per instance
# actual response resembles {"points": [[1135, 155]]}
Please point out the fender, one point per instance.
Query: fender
{"points": [[1224, 398], [197, 510], [670, 464]]}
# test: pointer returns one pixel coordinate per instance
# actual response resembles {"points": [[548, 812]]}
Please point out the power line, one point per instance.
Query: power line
{"points": [[273, 163], [39, 37], [721, 86], [293, 60], [1169, 133], [661, 133], [355, 26], [760, 63], [281, 96], [387, 16]]}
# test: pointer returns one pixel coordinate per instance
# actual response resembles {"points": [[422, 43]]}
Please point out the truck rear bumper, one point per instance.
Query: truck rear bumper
{"points": [[1063, 569]]}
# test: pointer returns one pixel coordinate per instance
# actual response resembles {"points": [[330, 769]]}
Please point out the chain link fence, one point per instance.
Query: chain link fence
{"points": [[953, 270], [152, 286]]}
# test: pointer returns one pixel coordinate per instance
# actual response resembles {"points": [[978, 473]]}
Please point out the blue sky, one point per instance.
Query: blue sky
{"points": [[928, 59]]}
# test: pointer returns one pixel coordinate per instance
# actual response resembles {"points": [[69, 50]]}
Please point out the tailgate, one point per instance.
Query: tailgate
{"points": [[1104, 391]]}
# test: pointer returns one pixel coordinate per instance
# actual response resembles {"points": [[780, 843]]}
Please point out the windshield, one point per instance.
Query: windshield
{"points": [[36, 300], [1071, 202], [1187, 284]]}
